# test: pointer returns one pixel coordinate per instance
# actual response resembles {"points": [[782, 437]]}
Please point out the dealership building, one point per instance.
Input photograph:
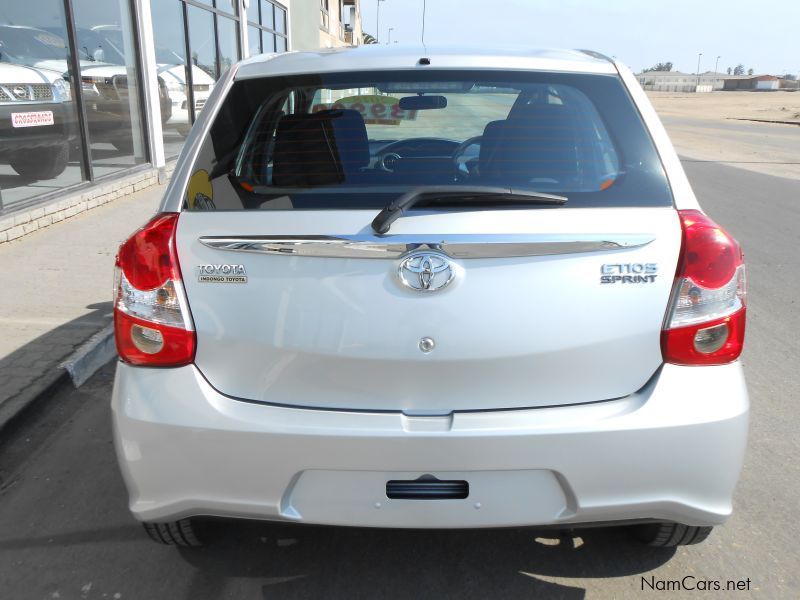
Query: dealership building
{"points": [[98, 97]]}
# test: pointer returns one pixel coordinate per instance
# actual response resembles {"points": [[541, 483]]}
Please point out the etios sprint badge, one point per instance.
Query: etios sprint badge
{"points": [[629, 273], [222, 274]]}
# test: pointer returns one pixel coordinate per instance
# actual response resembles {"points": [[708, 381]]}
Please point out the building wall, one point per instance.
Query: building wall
{"points": [[304, 28], [770, 84], [679, 82], [332, 19], [754, 83]]}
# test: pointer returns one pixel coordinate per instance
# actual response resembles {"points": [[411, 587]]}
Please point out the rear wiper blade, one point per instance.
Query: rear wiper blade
{"points": [[468, 193]]}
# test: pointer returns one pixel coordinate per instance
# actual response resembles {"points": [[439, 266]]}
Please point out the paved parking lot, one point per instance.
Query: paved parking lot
{"points": [[65, 531]]}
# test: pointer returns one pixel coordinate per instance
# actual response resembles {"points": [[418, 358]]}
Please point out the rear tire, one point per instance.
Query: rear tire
{"points": [[174, 533], [669, 535], [42, 163]]}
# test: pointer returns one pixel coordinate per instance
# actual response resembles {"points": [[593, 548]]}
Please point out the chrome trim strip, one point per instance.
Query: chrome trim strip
{"points": [[455, 246]]}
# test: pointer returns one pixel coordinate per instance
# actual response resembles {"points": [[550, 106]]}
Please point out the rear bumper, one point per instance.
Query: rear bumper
{"points": [[672, 451]]}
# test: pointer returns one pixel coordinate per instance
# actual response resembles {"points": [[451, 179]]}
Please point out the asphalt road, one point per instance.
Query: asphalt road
{"points": [[65, 531], [759, 147]]}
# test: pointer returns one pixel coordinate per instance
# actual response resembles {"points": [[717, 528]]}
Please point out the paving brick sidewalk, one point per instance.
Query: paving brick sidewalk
{"points": [[55, 293]]}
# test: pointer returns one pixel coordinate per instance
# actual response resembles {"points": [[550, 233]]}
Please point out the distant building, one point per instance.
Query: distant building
{"points": [[790, 84], [339, 23], [675, 81], [760, 82]]}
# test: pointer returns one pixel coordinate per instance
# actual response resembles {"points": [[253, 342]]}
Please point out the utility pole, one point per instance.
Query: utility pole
{"points": [[698, 70], [424, 6], [378, 21], [390, 35]]}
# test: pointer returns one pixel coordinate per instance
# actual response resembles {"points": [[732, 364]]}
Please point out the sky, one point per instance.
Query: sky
{"points": [[760, 34]]}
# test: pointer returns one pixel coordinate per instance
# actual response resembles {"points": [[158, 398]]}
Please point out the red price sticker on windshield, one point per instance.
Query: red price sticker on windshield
{"points": [[376, 110]]}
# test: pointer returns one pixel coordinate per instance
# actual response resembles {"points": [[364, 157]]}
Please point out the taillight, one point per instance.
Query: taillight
{"points": [[706, 319], [152, 325]]}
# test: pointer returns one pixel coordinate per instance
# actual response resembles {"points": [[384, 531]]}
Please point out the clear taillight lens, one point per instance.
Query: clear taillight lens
{"points": [[694, 303], [152, 324], [705, 323]]}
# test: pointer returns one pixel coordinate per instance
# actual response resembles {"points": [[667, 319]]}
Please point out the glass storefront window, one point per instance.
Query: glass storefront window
{"points": [[40, 145], [171, 64], [201, 40], [44, 134], [280, 20], [253, 40], [252, 11], [268, 41], [203, 47], [272, 21], [267, 14], [228, 43], [228, 6], [110, 85]]}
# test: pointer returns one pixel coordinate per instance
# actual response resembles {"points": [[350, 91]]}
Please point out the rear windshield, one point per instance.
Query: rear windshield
{"points": [[359, 140]]}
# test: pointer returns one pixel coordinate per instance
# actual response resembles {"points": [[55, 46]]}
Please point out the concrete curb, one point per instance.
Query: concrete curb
{"points": [[765, 121], [90, 356], [80, 366]]}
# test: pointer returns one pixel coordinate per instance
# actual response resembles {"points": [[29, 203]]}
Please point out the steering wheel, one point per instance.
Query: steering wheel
{"points": [[462, 147], [459, 152]]}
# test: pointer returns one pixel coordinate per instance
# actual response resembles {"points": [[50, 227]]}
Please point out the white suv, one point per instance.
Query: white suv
{"points": [[399, 288]]}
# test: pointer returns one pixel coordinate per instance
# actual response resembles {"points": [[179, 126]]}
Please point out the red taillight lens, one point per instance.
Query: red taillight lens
{"points": [[148, 258], [684, 345], [706, 321], [152, 325], [141, 342], [710, 255]]}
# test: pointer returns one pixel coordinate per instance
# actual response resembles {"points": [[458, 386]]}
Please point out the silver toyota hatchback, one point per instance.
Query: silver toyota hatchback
{"points": [[430, 289]]}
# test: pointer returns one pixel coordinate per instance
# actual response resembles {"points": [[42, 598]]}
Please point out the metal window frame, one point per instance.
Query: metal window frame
{"points": [[87, 168], [270, 30], [260, 41], [217, 68], [325, 10], [248, 23], [213, 9], [216, 13], [87, 172], [238, 37], [188, 62], [134, 16]]}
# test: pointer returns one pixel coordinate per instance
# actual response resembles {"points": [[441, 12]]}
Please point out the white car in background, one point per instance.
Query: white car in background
{"points": [[38, 123], [104, 78], [173, 72]]}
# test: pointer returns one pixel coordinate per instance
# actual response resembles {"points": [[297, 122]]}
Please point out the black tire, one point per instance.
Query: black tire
{"points": [[42, 163], [669, 535], [174, 533]]}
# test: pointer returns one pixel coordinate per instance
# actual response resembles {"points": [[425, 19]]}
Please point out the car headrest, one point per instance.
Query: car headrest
{"points": [[535, 141], [320, 148]]}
